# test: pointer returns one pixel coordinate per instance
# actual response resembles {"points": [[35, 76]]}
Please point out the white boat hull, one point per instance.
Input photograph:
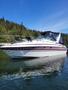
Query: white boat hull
{"points": [[34, 53], [43, 56]]}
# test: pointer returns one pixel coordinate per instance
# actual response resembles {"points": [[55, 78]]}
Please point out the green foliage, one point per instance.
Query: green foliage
{"points": [[65, 39], [10, 31]]}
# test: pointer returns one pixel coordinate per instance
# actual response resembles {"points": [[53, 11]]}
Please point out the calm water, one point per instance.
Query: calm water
{"points": [[38, 79]]}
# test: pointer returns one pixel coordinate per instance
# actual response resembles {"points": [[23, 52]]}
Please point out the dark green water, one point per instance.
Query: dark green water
{"points": [[38, 79]]}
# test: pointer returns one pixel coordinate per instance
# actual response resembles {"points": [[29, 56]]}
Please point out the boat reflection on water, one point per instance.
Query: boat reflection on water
{"points": [[47, 77], [49, 68], [34, 69]]}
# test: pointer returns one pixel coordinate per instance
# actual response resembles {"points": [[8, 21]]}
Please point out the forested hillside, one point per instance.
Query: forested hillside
{"points": [[11, 32]]}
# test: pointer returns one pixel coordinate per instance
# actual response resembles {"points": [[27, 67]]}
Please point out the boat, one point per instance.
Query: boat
{"points": [[46, 46]]}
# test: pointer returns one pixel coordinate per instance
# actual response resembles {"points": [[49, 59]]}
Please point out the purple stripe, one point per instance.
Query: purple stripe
{"points": [[33, 48]]}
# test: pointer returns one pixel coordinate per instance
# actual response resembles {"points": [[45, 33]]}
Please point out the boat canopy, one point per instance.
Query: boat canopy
{"points": [[53, 37]]}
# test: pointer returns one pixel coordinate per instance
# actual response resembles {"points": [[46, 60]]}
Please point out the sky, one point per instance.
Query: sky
{"points": [[42, 15]]}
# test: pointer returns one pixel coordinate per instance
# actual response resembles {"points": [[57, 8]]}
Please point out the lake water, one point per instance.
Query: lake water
{"points": [[52, 76]]}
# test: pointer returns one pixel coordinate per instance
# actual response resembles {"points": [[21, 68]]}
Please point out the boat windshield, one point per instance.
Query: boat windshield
{"points": [[49, 36]]}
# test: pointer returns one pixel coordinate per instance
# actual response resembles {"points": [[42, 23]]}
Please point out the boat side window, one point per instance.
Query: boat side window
{"points": [[50, 47]]}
